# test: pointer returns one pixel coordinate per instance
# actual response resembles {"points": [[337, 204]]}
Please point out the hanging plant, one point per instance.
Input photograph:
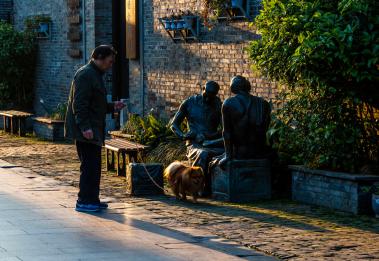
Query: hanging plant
{"points": [[33, 23], [212, 9]]}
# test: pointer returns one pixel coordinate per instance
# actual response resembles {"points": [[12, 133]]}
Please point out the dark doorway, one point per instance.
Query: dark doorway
{"points": [[121, 67]]}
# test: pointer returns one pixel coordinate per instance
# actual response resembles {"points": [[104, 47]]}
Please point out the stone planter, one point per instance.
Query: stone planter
{"points": [[336, 190], [242, 181], [139, 182], [48, 129]]}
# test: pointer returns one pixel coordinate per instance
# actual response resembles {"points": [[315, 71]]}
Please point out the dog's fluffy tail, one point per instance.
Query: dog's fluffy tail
{"points": [[172, 169]]}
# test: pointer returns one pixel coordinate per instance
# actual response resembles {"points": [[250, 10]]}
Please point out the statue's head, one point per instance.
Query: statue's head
{"points": [[240, 84], [210, 91]]}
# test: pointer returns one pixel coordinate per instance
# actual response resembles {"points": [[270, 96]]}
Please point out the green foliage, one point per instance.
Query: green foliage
{"points": [[311, 129], [167, 152], [147, 130], [332, 44], [17, 64], [164, 146], [212, 9], [59, 113], [326, 53]]}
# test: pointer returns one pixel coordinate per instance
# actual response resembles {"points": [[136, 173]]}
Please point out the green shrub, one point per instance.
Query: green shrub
{"points": [[326, 53], [59, 113], [164, 146], [17, 65]]}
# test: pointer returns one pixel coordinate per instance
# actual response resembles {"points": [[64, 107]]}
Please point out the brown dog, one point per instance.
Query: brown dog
{"points": [[185, 180]]}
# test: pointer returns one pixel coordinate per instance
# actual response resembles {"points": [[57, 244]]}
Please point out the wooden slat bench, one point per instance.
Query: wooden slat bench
{"points": [[127, 151], [15, 121]]}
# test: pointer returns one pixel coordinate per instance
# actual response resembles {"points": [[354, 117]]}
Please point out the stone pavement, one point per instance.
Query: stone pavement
{"points": [[283, 228], [38, 222]]}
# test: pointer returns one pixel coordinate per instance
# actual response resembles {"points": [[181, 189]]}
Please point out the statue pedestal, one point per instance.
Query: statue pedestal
{"points": [[242, 181]]}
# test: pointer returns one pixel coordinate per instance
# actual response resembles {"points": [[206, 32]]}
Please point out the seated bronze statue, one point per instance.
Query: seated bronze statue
{"points": [[245, 120], [203, 114]]}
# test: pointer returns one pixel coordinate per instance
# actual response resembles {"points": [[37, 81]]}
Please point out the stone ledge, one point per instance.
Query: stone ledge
{"points": [[334, 174], [336, 190]]}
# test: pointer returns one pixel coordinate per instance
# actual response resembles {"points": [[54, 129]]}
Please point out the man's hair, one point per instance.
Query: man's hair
{"points": [[212, 86], [103, 51], [240, 83]]}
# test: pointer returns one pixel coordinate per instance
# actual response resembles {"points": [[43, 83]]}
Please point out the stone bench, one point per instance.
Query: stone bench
{"points": [[14, 122], [127, 152], [242, 181]]}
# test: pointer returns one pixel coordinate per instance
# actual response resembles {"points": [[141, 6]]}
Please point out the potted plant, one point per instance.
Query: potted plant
{"points": [[188, 19], [212, 9], [236, 3], [325, 122], [39, 24], [51, 127]]}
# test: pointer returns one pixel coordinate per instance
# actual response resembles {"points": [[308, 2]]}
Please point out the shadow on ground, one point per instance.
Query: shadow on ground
{"points": [[280, 212]]}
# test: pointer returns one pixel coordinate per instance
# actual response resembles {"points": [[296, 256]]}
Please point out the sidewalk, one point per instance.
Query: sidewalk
{"points": [[38, 222]]}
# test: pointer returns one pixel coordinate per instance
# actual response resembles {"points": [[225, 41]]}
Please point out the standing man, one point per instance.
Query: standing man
{"points": [[203, 114], [85, 123]]}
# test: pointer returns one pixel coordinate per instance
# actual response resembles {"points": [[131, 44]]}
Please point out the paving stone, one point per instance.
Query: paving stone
{"points": [[282, 228], [61, 233]]}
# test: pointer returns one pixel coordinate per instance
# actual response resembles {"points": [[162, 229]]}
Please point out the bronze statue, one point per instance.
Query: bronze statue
{"points": [[203, 114], [245, 120]]}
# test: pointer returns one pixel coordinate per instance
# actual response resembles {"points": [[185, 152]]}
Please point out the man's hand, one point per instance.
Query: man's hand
{"points": [[88, 134], [119, 105]]}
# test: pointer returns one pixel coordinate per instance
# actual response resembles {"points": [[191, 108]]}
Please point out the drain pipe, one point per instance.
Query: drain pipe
{"points": [[84, 32], [141, 54]]}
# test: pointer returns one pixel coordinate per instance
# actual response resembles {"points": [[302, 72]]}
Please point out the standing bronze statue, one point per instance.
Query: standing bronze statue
{"points": [[203, 114], [245, 120]]}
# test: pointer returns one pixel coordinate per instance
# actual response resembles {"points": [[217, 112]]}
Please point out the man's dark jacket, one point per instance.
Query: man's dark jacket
{"points": [[87, 105]]}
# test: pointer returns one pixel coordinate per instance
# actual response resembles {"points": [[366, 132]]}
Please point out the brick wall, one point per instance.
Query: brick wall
{"points": [[6, 10], [55, 68], [172, 72]]}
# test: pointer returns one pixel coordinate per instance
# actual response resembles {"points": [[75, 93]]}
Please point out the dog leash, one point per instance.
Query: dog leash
{"points": [[143, 163]]}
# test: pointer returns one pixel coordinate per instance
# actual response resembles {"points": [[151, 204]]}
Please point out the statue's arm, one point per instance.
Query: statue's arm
{"points": [[178, 119], [226, 131], [218, 133]]}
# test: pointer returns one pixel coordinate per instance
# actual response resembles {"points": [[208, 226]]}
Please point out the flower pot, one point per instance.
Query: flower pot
{"points": [[167, 25], [180, 25], [173, 25], [237, 3], [188, 22], [43, 27], [375, 204]]}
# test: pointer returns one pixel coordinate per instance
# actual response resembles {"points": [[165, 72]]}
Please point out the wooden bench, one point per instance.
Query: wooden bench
{"points": [[15, 121], [127, 151]]}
